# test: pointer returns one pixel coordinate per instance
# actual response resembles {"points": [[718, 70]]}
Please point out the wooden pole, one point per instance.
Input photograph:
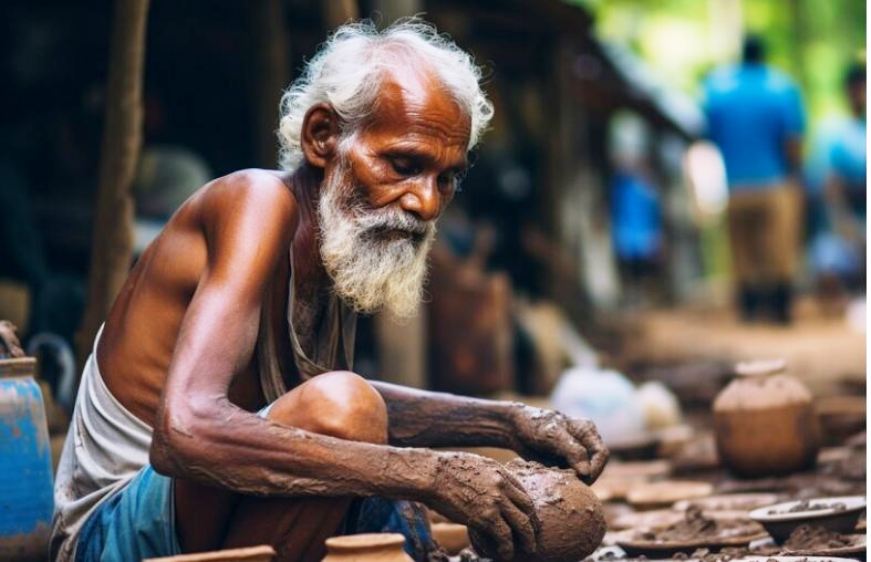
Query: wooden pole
{"points": [[271, 74], [112, 243], [338, 12]]}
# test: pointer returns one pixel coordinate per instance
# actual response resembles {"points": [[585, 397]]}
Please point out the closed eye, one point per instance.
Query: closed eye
{"points": [[405, 166]]}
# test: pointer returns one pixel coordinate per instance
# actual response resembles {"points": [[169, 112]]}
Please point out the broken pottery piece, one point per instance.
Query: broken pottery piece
{"points": [[571, 516], [262, 553], [765, 422], [367, 547], [666, 492], [734, 503]]}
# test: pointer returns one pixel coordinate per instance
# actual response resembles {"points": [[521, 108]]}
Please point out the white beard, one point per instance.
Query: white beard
{"points": [[377, 258]]}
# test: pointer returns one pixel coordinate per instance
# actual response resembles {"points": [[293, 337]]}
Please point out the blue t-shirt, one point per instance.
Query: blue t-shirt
{"points": [[635, 217], [752, 110], [847, 157]]}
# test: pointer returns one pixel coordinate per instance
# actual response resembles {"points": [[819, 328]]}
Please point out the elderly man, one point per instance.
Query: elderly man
{"points": [[217, 408]]}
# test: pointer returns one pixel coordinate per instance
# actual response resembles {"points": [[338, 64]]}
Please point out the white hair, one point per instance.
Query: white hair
{"points": [[348, 70]]}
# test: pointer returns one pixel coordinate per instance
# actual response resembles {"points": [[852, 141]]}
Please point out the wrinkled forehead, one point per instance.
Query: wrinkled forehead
{"points": [[415, 105]]}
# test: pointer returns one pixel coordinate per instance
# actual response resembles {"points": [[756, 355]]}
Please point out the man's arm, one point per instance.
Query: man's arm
{"points": [[201, 436], [421, 418]]}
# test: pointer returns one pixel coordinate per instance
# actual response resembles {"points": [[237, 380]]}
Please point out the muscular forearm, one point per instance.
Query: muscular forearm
{"points": [[222, 445], [421, 418]]}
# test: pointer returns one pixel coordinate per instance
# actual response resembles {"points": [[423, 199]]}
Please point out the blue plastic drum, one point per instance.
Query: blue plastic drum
{"points": [[26, 495]]}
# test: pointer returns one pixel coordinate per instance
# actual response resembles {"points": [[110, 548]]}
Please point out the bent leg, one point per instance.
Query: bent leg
{"points": [[339, 404]]}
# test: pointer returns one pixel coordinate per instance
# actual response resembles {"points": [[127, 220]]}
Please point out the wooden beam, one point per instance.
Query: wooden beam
{"points": [[112, 242], [271, 74], [338, 12]]}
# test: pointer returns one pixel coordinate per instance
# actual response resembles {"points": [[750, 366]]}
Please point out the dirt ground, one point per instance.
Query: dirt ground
{"points": [[825, 353]]}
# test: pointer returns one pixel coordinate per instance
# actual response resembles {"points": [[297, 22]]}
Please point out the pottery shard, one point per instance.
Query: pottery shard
{"points": [[572, 519]]}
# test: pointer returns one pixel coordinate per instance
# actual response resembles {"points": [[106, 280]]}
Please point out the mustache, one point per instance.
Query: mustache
{"points": [[386, 220]]}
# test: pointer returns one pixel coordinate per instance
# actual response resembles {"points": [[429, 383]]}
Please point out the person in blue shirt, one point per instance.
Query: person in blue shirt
{"points": [[755, 117], [837, 247], [637, 227]]}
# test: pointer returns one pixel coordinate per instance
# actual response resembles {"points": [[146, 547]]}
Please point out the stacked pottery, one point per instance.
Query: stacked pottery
{"points": [[370, 547], [765, 422], [571, 516]]}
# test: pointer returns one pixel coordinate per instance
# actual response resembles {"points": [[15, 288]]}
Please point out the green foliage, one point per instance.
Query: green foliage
{"points": [[812, 40]]}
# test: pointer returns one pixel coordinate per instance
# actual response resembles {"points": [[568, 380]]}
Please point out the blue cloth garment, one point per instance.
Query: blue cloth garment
{"points": [[752, 110], [138, 522]]}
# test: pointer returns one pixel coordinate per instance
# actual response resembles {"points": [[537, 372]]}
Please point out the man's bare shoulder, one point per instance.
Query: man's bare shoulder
{"points": [[250, 190], [265, 194]]}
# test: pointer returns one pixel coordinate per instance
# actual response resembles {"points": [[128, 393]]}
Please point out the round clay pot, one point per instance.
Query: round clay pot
{"points": [[765, 423], [572, 519], [372, 547], [452, 537]]}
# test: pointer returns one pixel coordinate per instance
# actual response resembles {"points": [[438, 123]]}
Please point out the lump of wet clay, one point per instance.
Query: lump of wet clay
{"points": [[572, 519]]}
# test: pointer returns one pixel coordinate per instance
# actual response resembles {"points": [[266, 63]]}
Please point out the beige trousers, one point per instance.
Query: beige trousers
{"points": [[764, 231]]}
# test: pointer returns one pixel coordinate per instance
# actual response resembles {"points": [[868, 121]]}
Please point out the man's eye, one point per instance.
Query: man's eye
{"points": [[405, 167]]}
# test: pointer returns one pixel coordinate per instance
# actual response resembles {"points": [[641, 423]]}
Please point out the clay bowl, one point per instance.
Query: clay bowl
{"points": [[857, 548], [638, 449], [263, 553], [641, 469], [780, 522], [841, 416], [657, 549], [791, 559], [366, 547], [728, 502], [453, 537], [666, 492], [571, 516], [645, 519]]}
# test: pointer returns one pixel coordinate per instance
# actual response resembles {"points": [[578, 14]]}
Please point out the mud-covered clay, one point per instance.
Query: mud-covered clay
{"points": [[572, 521], [765, 425]]}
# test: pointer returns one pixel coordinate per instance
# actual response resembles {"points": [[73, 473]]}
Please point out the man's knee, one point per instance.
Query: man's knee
{"points": [[339, 403]]}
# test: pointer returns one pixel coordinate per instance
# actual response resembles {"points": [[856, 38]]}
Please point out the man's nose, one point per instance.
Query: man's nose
{"points": [[423, 199]]}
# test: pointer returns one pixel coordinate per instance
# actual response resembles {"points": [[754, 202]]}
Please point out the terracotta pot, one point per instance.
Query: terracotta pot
{"points": [[453, 537], [572, 519], [372, 547], [765, 422]]}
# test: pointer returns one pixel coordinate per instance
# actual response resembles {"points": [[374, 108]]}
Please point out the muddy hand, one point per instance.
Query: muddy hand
{"points": [[483, 495], [549, 436]]}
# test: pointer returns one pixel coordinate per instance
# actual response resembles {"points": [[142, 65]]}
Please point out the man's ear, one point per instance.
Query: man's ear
{"points": [[320, 134]]}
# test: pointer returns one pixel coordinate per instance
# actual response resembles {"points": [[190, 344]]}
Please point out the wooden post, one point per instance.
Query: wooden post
{"points": [[271, 75], [112, 243], [338, 12]]}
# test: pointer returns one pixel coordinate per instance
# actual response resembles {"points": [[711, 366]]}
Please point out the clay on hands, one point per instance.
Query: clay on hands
{"points": [[483, 495], [555, 439], [571, 516]]}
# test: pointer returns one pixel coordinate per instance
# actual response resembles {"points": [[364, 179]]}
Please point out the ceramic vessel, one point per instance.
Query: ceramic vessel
{"points": [[371, 547], [572, 519], [452, 537], [765, 422]]}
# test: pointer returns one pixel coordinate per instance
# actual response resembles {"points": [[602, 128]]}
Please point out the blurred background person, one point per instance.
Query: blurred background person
{"points": [[755, 117], [838, 197], [636, 209]]}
